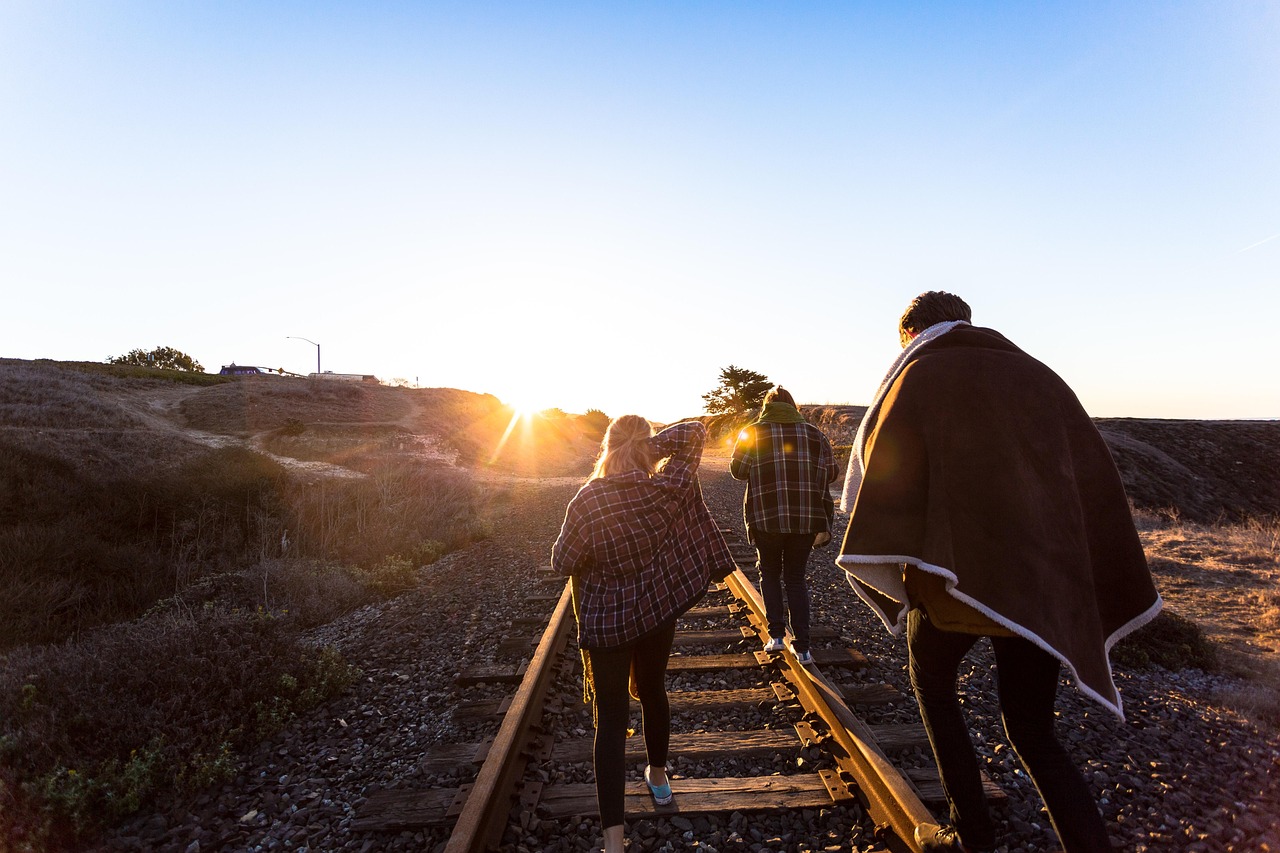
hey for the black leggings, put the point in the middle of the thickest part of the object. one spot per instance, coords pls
(1027, 681)
(611, 669)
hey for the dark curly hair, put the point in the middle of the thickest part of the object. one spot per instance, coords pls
(935, 306)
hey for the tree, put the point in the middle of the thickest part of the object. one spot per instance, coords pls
(594, 423)
(740, 390)
(166, 357)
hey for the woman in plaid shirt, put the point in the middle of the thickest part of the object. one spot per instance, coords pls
(788, 465)
(641, 548)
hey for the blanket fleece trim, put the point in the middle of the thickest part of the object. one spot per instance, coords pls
(853, 474)
(884, 574)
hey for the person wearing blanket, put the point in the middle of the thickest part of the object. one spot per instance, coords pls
(984, 502)
(640, 548)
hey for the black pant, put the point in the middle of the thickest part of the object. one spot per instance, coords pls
(783, 558)
(1027, 680)
(611, 669)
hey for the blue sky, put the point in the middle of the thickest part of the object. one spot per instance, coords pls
(602, 204)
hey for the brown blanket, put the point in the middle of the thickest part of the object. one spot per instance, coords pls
(981, 466)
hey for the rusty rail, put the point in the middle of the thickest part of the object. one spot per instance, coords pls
(484, 816)
(891, 797)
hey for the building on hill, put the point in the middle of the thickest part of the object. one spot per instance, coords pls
(234, 369)
(345, 377)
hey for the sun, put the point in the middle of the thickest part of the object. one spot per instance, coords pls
(523, 405)
(523, 411)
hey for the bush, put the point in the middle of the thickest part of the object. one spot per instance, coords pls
(593, 424)
(292, 427)
(1170, 641)
(166, 358)
(89, 730)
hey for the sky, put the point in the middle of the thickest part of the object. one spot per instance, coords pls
(602, 204)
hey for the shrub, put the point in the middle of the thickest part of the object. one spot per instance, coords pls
(594, 423)
(1170, 641)
(392, 576)
(292, 427)
(162, 357)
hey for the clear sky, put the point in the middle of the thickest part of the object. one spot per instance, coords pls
(601, 204)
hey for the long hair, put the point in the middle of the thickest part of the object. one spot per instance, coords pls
(626, 448)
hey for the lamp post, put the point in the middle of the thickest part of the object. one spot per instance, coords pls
(314, 344)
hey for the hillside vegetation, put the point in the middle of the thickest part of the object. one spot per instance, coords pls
(176, 529)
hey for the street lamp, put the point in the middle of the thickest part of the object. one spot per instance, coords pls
(314, 344)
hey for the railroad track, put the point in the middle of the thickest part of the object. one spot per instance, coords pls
(840, 755)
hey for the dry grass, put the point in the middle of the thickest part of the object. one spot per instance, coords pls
(254, 405)
(76, 551)
(32, 396)
(1225, 579)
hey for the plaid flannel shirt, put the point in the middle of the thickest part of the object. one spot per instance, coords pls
(640, 548)
(788, 468)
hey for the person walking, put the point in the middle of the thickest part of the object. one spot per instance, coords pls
(984, 502)
(640, 548)
(788, 465)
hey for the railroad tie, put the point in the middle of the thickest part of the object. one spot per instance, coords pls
(497, 674)
(705, 796)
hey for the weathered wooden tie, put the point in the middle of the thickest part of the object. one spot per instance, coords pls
(498, 674)
(734, 635)
(704, 796)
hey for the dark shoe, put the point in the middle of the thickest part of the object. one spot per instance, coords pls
(941, 839)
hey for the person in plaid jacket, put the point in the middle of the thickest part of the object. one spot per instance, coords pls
(788, 465)
(640, 548)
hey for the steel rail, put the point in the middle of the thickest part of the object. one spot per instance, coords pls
(484, 816)
(891, 798)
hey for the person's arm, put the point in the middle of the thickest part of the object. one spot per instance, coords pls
(682, 443)
(743, 451)
(572, 552)
(827, 460)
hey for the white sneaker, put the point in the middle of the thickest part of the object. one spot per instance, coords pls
(803, 658)
(775, 644)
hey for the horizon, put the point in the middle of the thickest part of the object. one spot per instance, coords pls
(579, 413)
(583, 206)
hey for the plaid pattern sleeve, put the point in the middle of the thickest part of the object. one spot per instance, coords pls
(639, 547)
(571, 554)
(788, 468)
